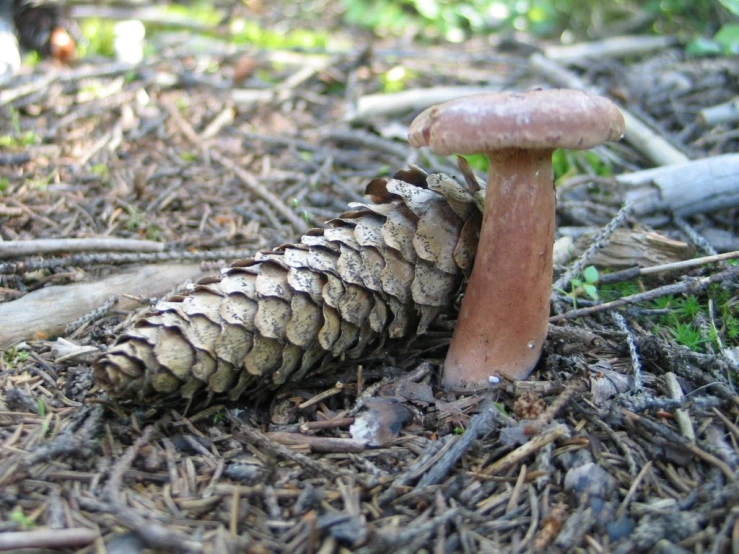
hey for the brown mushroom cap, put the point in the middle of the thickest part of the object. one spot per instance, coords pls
(537, 119)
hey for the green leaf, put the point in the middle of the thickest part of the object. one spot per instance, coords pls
(731, 5)
(703, 47)
(428, 8)
(480, 162)
(591, 291)
(728, 38)
(590, 274)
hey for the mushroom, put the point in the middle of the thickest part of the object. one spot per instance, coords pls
(504, 315)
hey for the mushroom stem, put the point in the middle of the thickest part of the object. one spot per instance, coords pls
(503, 320)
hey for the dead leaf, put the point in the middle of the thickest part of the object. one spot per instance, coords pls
(381, 423)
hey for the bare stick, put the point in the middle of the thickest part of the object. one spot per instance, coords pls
(259, 439)
(613, 47)
(635, 272)
(29, 317)
(48, 538)
(53, 246)
(537, 442)
(681, 416)
(633, 353)
(638, 134)
(317, 444)
(87, 260)
(689, 285)
(722, 113)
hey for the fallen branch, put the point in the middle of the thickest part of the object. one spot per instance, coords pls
(699, 186)
(29, 317)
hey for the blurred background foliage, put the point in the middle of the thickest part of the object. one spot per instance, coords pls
(713, 23)
(706, 27)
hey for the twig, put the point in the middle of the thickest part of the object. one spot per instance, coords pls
(48, 538)
(612, 47)
(106, 70)
(512, 458)
(632, 489)
(257, 438)
(87, 260)
(187, 130)
(695, 237)
(153, 533)
(94, 315)
(435, 451)
(479, 425)
(548, 415)
(13, 248)
(531, 532)
(598, 242)
(123, 463)
(369, 140)
(398, 538)
(317, 444)
(673, 188)
(691, 284)
(73, 440)
(618, 440)
(722, 113)
(260, 191)
(633, 354)
(681, 416)
(680, 441)
(635, 272)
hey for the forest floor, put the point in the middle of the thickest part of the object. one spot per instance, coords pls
(625, 438)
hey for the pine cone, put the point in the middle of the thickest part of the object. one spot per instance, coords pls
(381, 271)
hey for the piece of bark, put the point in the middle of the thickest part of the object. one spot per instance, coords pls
(46, 312)
(627, 248)
(699, 186)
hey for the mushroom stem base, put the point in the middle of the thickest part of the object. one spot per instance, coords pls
(503, 320)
